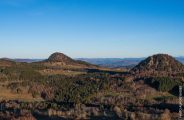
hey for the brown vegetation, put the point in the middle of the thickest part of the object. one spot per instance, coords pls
(63, 88)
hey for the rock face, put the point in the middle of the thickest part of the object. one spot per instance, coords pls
(159, 63)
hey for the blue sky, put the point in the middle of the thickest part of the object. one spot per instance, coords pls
(91, 28)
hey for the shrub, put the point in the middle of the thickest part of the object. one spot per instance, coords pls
(164, 84)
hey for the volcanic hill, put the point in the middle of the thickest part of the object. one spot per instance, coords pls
(62, 59)
(159, 63)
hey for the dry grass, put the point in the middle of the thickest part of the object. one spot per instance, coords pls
(62, 72)
(159, 94)
(7, 94)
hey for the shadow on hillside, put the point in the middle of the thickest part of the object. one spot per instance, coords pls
(163, 106)
(103, 118)
(104, 71)
(46, 117)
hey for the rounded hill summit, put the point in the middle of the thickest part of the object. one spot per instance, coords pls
(159, 62)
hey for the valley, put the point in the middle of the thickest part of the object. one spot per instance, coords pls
(63, 88)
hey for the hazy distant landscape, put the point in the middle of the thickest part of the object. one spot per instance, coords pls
(105, 62)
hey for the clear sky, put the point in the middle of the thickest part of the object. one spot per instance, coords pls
(91, 28)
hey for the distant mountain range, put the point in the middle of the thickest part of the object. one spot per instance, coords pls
(105, 62)
(113, 62)
(181, 59)
(28, 60)
(118, 62)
